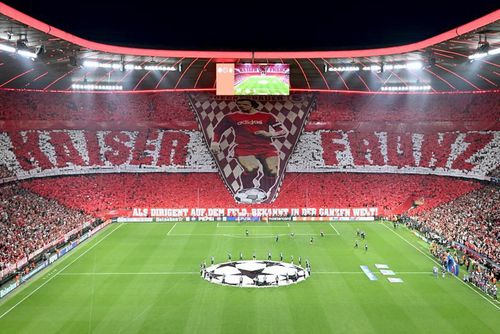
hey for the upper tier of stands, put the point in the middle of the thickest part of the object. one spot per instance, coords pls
(408, 107)
(174, 107)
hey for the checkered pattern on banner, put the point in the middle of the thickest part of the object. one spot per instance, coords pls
(292, 111)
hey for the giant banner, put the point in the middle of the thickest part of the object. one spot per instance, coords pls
(38, 153)
(252, 140)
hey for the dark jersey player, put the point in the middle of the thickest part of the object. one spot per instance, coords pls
(253, 142)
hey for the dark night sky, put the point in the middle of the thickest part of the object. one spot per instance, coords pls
(255, 26)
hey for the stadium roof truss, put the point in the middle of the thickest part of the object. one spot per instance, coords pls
(445, 63)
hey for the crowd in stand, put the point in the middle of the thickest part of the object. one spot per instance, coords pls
(5, 172)
(28, 222)
(407, 108)
(485, 278)
(496, 174)
(94, 107)
(174, 106)
(470, 216)
(99, 193)
(472, 220)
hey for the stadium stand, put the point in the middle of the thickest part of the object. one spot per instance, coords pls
(476, 273)
(96, 194)
(34, 107)
(407, 108)
(14, 105)
(29, 222)
(41, 126)
(471, 220)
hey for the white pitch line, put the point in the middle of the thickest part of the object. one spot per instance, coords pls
(337, 222)
(171, 229)
(334, 229)
(433, 260)
(129, 273)
(47, 281)
(195, 272)
(252, 226)
(229, 226)
(336, 272)
(360, 272)
(244, 236)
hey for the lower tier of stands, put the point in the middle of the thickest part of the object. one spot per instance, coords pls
(29, 222)
(98, 194)
(38, 211)
(472, 221)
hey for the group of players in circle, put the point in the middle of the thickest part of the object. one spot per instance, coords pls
(359, 234)
(203, 265)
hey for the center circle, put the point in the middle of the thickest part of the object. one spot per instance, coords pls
(255, 273)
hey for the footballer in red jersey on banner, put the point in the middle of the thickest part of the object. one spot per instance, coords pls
(252, 139)
(253, 147)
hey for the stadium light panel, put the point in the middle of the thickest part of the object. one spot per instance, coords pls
(95, 87)
(159, 68)
(24, 53)
(27, 54)
(479, 55)
(404, 88)
(375, 68)
(128, 67)
(7, 48)
(343, 69)
(494, 52)
(412, 65)
(90, 63)
(7, 35)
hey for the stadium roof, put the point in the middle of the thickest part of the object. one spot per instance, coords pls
(445, 61)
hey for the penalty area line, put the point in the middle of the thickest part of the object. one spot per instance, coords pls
(334, 229)
(169, 231)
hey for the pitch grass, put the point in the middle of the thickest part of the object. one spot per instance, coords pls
(144, 278)
(262, 85)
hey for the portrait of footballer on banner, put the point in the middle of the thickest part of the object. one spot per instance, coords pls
(253, 148)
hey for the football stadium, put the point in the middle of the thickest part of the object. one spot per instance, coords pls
(150, 190)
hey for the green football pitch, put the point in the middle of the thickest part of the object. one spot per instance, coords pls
(144, 278)
(262, 85)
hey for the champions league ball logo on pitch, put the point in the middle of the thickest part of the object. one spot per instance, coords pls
(249, 196)
(255, 274)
